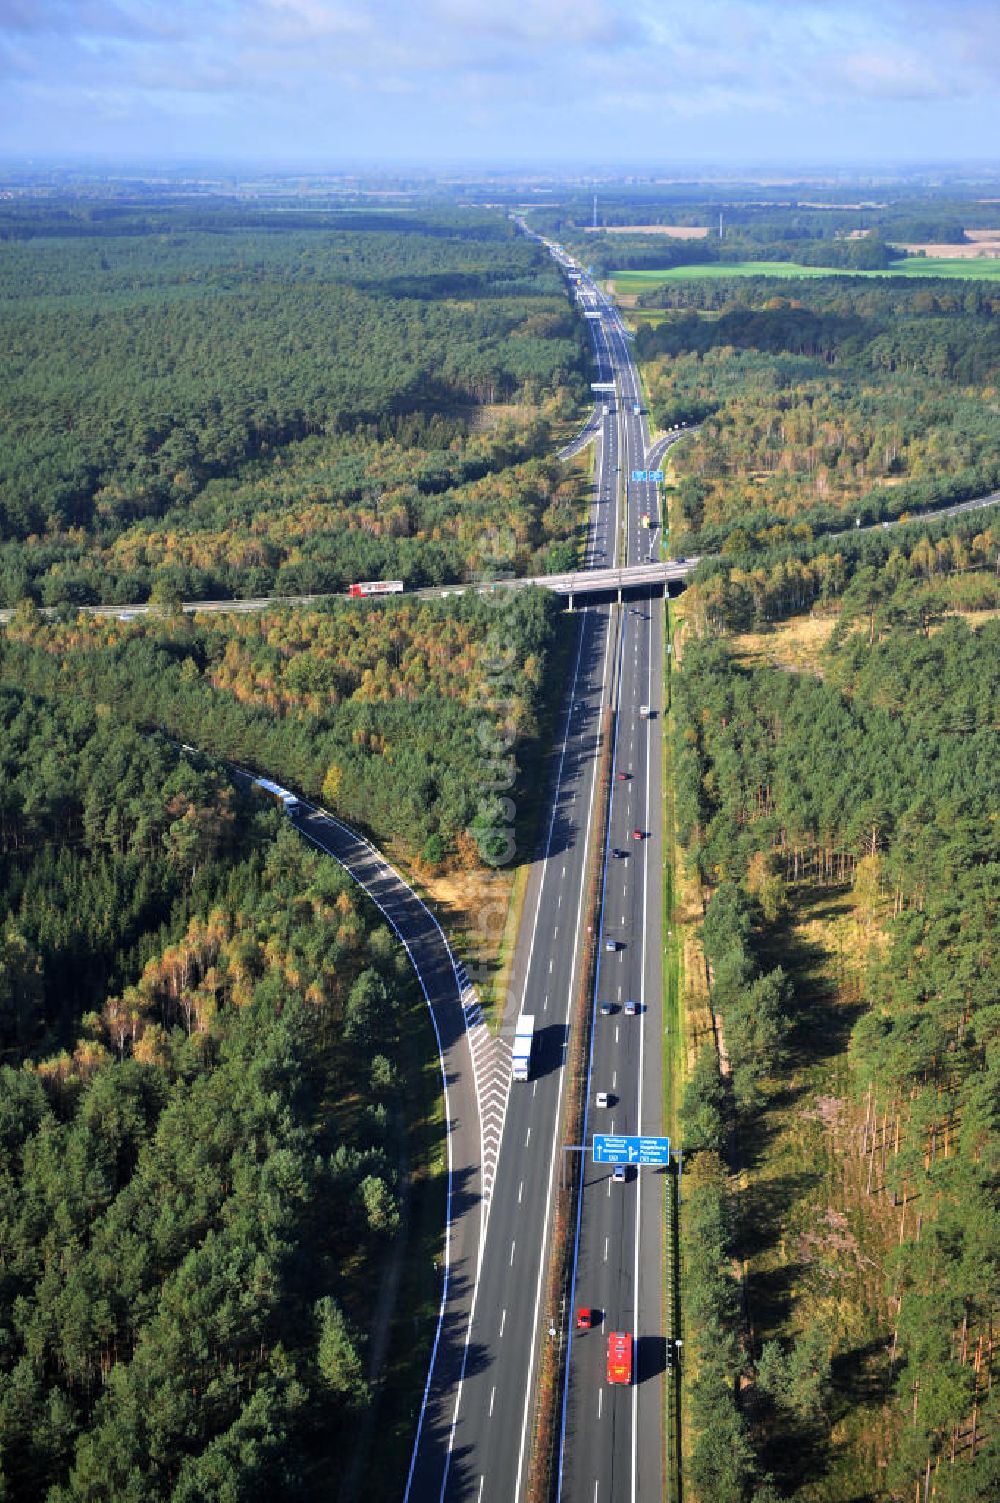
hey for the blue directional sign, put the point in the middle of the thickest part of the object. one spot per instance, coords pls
(654, 1150)
(657, 476)
(615, 1150)
(622, 1149)
(640, 474)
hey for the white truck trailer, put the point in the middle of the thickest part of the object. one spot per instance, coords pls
(523, 1036)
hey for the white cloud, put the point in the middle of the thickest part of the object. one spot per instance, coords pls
(895, 75)
(535, 74)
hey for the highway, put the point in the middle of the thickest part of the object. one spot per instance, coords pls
(612, 1436)
(486, 1455)
(474, 1430)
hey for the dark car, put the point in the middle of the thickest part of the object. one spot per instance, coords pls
(606, 1009)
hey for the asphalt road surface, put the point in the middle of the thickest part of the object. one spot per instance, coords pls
(612, 1439)
(488, 1449)
(612, 1435)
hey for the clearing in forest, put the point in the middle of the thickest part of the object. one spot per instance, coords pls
(984, 267)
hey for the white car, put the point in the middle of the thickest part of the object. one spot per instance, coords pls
(601, 1099)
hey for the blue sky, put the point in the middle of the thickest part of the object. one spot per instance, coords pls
(326, 82)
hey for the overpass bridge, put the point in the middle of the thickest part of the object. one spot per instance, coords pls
(581, 584)
(591, 584)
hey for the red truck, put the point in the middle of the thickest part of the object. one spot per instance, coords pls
(376, 587)
(619, 1357)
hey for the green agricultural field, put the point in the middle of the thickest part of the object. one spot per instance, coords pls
(627, 282)
(982, 268)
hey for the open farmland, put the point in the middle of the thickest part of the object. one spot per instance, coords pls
(630, 282)
(979, 250)
(977, 243)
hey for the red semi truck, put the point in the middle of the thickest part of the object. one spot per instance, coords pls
(376, 587)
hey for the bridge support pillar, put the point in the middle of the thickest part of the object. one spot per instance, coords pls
(571, 602)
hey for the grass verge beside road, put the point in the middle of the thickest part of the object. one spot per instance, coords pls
(673, 1081)
(811, 1231)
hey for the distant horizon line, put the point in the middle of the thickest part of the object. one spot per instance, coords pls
(620, 172)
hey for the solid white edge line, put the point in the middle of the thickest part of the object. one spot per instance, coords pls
(562, 1079)
(586, 1108)
(461, 990)
(569, 994)
(590, 1065)
(355, 835)
(475, 1297)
